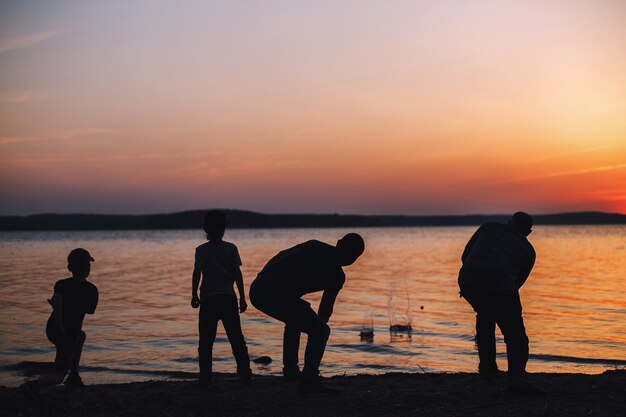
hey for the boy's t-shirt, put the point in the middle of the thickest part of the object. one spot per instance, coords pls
(219, 262)
(78, 298)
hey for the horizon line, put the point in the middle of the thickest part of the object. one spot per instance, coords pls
(309, 213)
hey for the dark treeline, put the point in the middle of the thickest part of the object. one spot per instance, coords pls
(240, 219)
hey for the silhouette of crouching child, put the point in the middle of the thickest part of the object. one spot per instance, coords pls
(217, 264)
(72, 299)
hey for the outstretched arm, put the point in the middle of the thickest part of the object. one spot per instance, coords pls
(195, 282)
(242, 294)
(326, 305)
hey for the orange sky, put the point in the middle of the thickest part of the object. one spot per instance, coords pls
(420, 107)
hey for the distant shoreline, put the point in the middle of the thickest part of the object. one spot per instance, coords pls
(240, 219)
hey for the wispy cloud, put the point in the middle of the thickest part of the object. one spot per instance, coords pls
(589, 170)
(56, 135)
(89, 159)
(577, 152)
(17, 42)
(18, 97)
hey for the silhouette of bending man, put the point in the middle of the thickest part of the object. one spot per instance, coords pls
(497, 260)
(305, 268)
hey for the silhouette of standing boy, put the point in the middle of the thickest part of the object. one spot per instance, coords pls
(218, 262)
(497, 260)
(72, 299)
(305, 268)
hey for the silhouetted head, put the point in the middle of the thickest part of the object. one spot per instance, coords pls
(214, 224)
(79, 263)
(350, 247)
(522, 222)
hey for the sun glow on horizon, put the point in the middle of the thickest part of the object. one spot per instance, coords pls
(411, 108)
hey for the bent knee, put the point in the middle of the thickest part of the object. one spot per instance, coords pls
(324, 330)
(517, 338)
(320, 329)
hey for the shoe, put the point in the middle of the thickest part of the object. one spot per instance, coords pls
(315, 386)
(30, 389)
(293, 375)
(245, 379)
(519, 385)
(209, 386)
(491, 375)
(205, 382)
(74, 381)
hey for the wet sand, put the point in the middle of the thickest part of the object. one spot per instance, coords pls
(362, 395)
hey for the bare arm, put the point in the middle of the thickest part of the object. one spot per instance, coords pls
(326, 305)
(195, 282)
(242, 294)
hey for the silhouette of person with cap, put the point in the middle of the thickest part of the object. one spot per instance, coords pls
(497, 260)
(305, 268)
(217, 265)
(72, 299)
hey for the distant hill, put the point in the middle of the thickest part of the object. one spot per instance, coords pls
(240, 219)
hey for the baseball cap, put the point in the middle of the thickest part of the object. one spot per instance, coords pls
(79, 256)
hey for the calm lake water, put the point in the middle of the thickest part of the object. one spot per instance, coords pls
(574, 302)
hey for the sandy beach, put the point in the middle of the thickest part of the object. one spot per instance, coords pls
(395, 394)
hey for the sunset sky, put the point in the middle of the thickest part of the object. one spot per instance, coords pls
(371, 107)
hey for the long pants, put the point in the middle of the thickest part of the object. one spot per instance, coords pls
(298, 317)
(212, 310)
(506, 312)
(68, 351)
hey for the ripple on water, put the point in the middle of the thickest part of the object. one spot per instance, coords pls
(144, 318)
